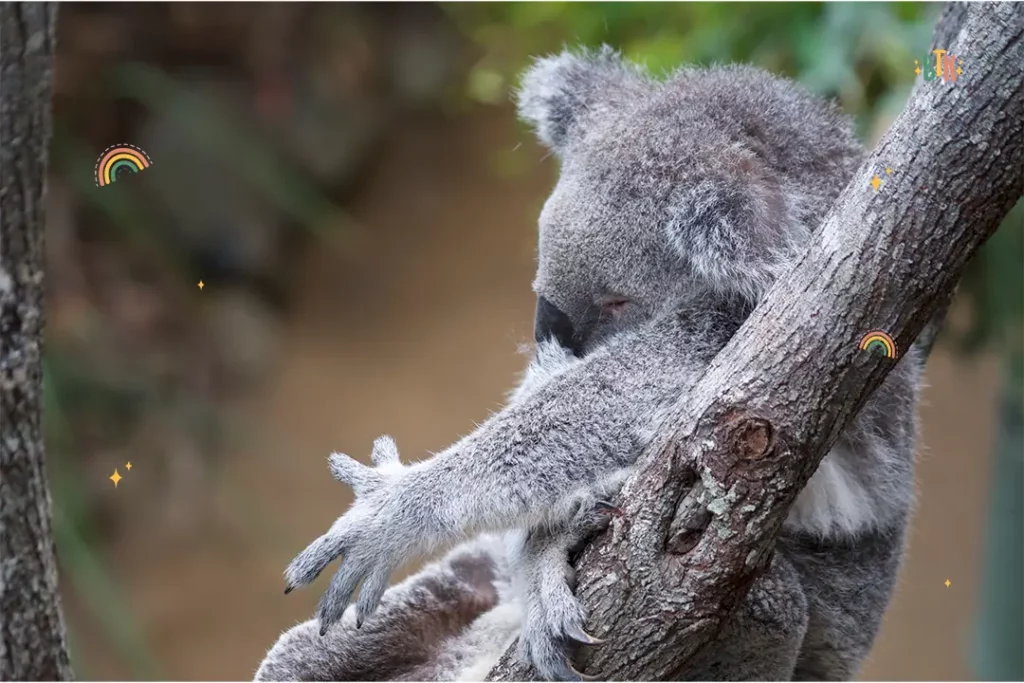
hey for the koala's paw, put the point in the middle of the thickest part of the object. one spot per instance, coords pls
(372, 536)
(554, 623)
(591, 515)
(555, 619)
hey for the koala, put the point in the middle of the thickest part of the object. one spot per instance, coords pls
(679, 203)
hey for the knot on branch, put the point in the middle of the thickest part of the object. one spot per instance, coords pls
(751, 438)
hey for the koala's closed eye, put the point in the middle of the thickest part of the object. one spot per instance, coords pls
(613, 306)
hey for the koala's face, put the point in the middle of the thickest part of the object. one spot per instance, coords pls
(706, 183)
(603, 266)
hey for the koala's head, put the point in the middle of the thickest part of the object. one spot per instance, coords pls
(708, 182)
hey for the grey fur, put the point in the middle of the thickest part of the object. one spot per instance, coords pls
(688, 197)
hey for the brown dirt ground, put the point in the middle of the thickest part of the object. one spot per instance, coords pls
(417, 338)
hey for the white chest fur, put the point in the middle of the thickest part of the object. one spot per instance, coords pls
(834, 502)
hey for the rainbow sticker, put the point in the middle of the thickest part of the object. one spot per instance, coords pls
(878, 340)
(118, 160)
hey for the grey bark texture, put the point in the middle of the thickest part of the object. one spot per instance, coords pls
(32, 634)
(950, 23)
(777, 397)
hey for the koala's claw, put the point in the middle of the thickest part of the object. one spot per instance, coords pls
(570, 673)
(580, 675)
(547, 634)
(550, 661)
(554, 617)
(582, 637)
(605, 506)
(554, 622)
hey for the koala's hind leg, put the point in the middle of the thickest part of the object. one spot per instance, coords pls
(762, 640)
(848, 585)
(425, 629)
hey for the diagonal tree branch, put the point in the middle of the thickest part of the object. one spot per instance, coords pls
(777, 397)
(950, 23)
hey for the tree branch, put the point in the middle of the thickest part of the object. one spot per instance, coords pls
(32, 641)
(950, 23)
(948, 28)
(779, 394)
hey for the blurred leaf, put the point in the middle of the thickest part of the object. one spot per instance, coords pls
(75, 539)
(128, 217)
(234, 146)
(993, 283)
(486, 85)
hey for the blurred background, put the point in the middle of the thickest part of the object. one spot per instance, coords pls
(350, 185)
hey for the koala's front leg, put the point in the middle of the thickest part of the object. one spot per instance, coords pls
(584, 425)
(554, 618)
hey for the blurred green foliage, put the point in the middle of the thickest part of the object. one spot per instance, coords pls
(994, 282)
(857, 52)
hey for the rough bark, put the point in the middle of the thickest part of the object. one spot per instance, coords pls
(32, 635)
(947, 29)
(777, 397)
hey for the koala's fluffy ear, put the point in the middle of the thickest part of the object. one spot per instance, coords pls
(734, 227)
(560, 94)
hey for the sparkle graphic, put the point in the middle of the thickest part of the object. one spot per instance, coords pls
(948, 583)
(128, 467)
(115, 477)
(201, 285)
(877, 182)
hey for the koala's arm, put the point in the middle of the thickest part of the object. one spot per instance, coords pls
(519, 468)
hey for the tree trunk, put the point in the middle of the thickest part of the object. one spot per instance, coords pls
(32, 636)
(779, 394)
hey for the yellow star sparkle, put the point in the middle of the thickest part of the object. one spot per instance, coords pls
(889, 171)
(201, 285)
(947, 583)
(875, 182)
(115, 477)
(918, 71)
(128, 467)
(959, 70)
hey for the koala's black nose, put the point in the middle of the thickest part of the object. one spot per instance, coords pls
(550, 322)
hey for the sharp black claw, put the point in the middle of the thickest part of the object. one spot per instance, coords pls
(583, 676)
(608, 507)
(359, 621)
(323, 630)
(288, 589)
(567, 672)
(581, 636)
(579, 675)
